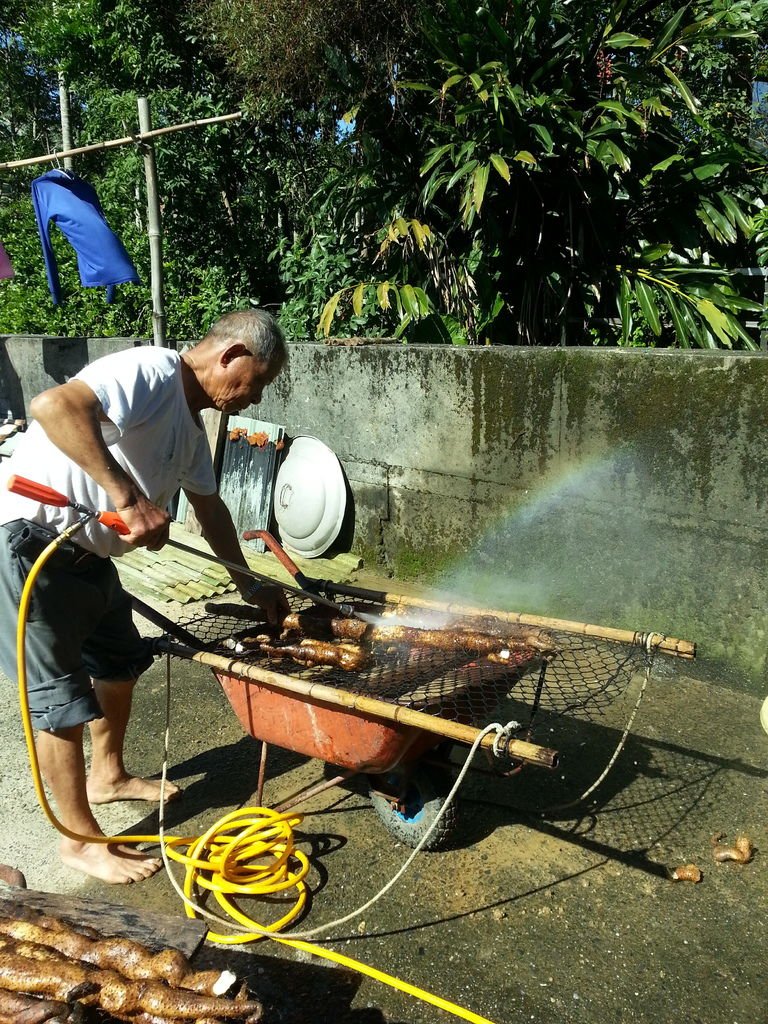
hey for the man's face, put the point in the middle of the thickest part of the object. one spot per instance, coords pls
(241, 382)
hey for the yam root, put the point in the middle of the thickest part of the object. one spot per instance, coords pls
(741, 851)
(121, 996)
(448, 639)
(67, 981)
(350, 657)
(33, 950)
(249, 612)
(57, 925)
(67, 941)
(464, 640)
(118, 976)
(152, 1018)
(324, 626)
(130, 958)
(60, 980)
(687, 873)
(511, 657)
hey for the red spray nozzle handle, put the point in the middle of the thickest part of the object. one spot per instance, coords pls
(48, 496)
(275, 547)
(113, 521)
(37, 492)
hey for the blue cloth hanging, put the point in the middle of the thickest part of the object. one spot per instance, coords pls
(72, 204)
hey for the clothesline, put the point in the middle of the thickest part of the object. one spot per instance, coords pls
(138, 137)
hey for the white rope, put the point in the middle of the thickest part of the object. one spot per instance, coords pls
(650, 646)
(504, 735)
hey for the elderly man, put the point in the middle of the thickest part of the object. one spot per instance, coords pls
(123, 434)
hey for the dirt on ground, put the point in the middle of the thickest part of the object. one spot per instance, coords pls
(541, 909)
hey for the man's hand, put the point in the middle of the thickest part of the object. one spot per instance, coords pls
(273, 601)
(149, 525)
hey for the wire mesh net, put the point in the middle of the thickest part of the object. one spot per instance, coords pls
(461, 668)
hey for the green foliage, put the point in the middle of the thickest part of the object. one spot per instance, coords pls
(308, 272)
(301, 56)
(219, 216)
(568, 174)
(760, 237)
(409, 303)
(453, 171)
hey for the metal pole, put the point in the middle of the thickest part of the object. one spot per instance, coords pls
(154, 227)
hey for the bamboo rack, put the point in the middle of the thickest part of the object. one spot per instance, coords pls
(359, 704)
(666, 644)
(137, 137)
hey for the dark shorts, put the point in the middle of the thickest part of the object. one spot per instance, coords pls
(79, 626)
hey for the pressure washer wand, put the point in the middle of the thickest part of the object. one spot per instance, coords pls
(345, 609)
(48, 496)
(310, 586)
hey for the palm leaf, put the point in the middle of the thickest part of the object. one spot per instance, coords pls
(479, 183)
(688, 98)
(650, 310)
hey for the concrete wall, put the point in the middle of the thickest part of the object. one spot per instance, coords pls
(627, 487)
(30, 363)
(623, 487)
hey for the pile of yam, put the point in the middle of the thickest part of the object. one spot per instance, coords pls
(51, 973)
(312, 638)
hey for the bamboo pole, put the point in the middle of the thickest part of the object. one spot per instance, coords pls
(126, 140)
(66, 128)
(359, 704)
(666, 644)
(154, 225)
(66, 125)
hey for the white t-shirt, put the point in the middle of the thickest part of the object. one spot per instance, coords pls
(152, 434)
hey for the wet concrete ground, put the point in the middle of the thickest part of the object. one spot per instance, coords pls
(563, 918)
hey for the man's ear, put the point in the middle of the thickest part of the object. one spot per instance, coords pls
(233, 351)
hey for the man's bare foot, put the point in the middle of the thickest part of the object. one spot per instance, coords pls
(130, 788)
(108, 861)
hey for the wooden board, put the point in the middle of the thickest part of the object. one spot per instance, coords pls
(157, 931)
(215, 425)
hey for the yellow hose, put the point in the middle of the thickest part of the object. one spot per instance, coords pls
(249, 852)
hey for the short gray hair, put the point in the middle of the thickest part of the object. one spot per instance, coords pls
(257, 330)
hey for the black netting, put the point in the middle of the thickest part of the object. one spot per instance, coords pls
(544, 672)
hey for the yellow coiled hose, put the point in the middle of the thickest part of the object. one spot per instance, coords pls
(249, 852)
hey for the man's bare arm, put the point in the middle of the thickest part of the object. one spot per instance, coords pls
(71, 416)
(219, 530)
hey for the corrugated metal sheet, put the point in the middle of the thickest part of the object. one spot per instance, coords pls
(172, 575)
(247, 475)
(249, 467)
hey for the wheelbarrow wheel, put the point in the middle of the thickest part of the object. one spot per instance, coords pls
(415, 803)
